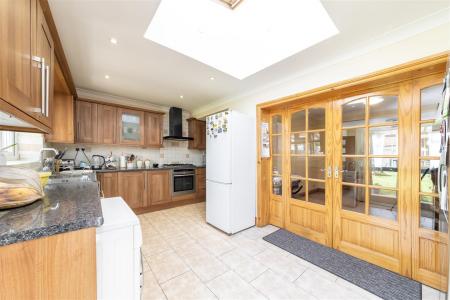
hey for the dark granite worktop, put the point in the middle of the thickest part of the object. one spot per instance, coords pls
(65, 207)
(136, 169)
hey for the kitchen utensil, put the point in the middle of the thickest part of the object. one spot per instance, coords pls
(155, 165)
(98, 161)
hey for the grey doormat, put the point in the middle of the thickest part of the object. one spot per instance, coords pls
(380, 282)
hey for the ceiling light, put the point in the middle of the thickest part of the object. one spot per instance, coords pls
(106, 76)
(181, 96)
(113, 41)
(212, 78)
(244, 40)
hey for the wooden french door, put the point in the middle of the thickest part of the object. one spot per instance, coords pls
(308, 203)
(430, 227)
(359, 174)
(370, 209)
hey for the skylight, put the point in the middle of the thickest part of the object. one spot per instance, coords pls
(244, 40)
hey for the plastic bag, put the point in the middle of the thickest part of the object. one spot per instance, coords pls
(19, 187)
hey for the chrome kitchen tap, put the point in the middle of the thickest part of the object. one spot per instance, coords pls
(47, 164)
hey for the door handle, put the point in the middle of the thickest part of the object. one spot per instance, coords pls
(328, 170)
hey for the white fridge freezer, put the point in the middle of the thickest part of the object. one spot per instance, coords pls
(230, 171)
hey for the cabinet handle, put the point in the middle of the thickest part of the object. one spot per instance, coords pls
(43, 94)
(47, 90)
(41, 62)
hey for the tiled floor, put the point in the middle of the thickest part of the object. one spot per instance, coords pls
(185, 258)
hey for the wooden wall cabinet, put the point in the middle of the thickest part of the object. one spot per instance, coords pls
(106, 124)
(153, 130)
(86, 116)
(17, 37)
(158, 187)
(63, 111)
(108, 184)
(26, 61)
(197, 131)
(131, 127)
(43, 78)
(132, 188)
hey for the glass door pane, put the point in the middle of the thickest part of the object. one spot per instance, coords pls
(431, 215)
(307, 155)
(276, 138)
(369, 138)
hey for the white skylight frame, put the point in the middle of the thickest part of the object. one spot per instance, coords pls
(241, 41)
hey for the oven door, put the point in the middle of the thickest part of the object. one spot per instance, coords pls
(183, 183)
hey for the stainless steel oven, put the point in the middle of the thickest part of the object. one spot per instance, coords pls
(183, 181)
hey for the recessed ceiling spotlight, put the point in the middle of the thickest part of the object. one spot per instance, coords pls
(181, 96)
(113, 41)
(212, 78)
(106, 76)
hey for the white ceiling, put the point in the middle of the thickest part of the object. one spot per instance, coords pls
(143, 70)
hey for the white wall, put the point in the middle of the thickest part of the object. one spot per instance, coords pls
(426, 43)
(171, 152)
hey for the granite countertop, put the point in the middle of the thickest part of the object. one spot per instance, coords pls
(65, 207)
(142, 169)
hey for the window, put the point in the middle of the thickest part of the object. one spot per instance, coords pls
(21, 147)
(7, 140)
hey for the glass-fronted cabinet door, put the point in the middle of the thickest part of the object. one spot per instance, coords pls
(131, 127)
(430, 225)
(277, 169)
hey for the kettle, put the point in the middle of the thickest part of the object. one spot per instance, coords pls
(98, 161)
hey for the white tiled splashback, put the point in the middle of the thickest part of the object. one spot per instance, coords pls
(172, 151)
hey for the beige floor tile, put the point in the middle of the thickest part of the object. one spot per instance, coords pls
(151, 248)
(274, 286)
(249, 246)
(151, 289)
(231, 286)
(428, 293)
(281, 264)
(245, 266)
(186, 286)
(234, 257)
(206, 267)
(216, 246)
(323, 288)
(250, 269)
(166, 265)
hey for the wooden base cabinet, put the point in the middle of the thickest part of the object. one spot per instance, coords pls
(158, 187)
(108, 184)
(200, 174)
(62, 266)
(132, 188)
